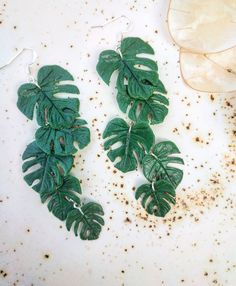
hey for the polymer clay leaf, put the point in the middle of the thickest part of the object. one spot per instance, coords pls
(207, 27)
(50, 110)
(87, 220)
(46, 171)
(157, 197)
(157, 164)
(151, 110)
(109, 61)
(61, 142)
(62, 200)
(209, 72)
(140, 73)
(133, 142)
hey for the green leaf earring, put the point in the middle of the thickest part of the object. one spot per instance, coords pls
(142, 95)
(49, 159)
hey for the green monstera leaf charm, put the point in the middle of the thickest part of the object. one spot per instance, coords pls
(50, 109)
(134, 141)
(153, 110)
(87, 219)
(157, 197)
(64, 197)
(61, 142)
(50, 171)
(158, 164)
(140, 73)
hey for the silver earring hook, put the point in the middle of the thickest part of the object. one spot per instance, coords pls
(34, 57)
(128, 28)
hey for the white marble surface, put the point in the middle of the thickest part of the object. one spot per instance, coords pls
(195, 244)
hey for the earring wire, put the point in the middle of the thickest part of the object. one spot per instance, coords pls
(129, 24)
(34, 57)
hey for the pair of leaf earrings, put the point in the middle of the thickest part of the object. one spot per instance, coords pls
(49, 159)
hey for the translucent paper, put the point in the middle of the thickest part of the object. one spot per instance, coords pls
(207, 26)
(206, 32)
(209, 72)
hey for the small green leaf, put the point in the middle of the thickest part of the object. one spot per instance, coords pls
(87, 219)
(132, 46)
(64, 197)
(157, 164)
(49, 170)
(152, 109)
(28, 95)
(109, 61)
(157, 197)
(140, 73)
(49, 76)
(61, 142)
(52, 110)
(71, 183)
(134, 141)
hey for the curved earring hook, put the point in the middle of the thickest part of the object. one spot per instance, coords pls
(34, 57)
(128, 28)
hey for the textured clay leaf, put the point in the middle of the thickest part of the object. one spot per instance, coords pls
(133, 142)
(62, 200)
(157, 165)
(140, 73)
(210, 72)
(207, 27)
(61, 142)
(109, 61)
(49, 170)
(157, 197)
(151, 110)
(87, 220)
(52, 110)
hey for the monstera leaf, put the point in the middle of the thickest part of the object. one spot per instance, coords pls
(157, 197)
(157, 164)
(61, 142)
(64, 197)
(52, 110)
(140, 73)
(87, 219)
(152, 109)
(134, 141)
(47, 169)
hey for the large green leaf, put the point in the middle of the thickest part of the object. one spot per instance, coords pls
(61, 142)
(151, 110)
(140, 73)
(87, 219)
(64, 198)
(134, 141)
(157, 197)
(52, 110)
(157, 165)
(46, 170)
